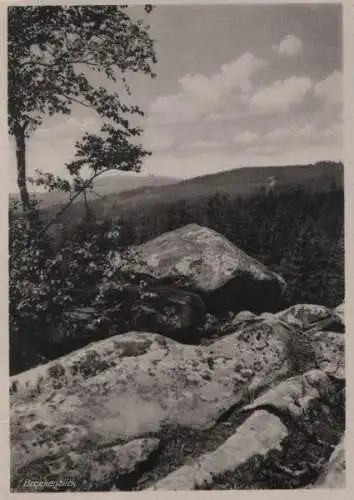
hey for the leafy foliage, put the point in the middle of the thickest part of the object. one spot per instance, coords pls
(45, 283)
(53, 55)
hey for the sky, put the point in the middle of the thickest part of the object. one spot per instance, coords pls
(237, 85)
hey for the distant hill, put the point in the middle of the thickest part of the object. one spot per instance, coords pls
(242, 182)
(112, 184)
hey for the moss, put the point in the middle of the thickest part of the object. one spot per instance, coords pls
(56, 371)
(134, 348)
(90, 365)
(14, 387)
(211, 362)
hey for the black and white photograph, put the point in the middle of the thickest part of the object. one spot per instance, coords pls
(176, 253)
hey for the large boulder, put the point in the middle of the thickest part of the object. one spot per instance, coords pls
(200, 259)
(136, 384)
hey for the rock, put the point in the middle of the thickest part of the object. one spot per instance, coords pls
(211, 323)
(340, 311)
(329, 348)
(243, 317)
(292, 398)
(334, 474)
(94, 470)
(200, 259)
(260, 434)
(165, 310)
(127, 386)
(278, 419)
(311, 316)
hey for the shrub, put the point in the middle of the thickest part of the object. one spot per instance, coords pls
(45, 282)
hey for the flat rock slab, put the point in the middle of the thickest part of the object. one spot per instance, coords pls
(130, 385)
(261, 433)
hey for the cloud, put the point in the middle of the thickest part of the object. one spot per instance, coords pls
(304, 134)
(156, 139)
(290, 46)
(281, 95)
(205, 144)
(201, 95)
(278, 135)
(246, 137)
(330, 89)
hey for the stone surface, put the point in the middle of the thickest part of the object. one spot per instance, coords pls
(329, 348)
(340, 310)
(312, 316)
(334, 474)
(91, 395)
(295, 413)
(201, 259)
(292, 397)
(260, 434)
(92, 470)
(242, 318)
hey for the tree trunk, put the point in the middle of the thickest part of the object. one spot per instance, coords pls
(20, 140)
(21, 168)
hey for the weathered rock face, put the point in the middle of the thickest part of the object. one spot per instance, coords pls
(106, 411)
(202, 260)
(91, 395)
(257, 447)
(329, 348)
(340, 310)
(90, 471)
(312, 316)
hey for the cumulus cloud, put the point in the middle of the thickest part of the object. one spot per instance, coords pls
(156, 139)
(304, 134)
(60, 127)
(278, 135)
(330, 89)
(246, 137)
(200, 95)
(290, 46)
(281, 95)
(206, 144)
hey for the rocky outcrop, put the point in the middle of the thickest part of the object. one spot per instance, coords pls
(200, 259)
(276, 417)
(90, 404)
